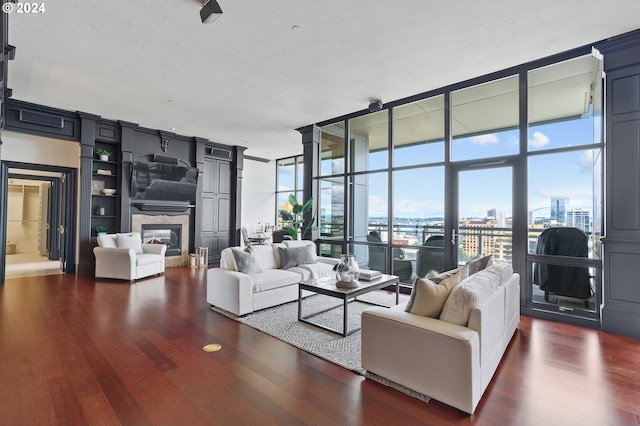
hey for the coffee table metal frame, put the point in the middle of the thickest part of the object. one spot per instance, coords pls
(329, 288)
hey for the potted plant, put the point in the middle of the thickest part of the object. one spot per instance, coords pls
(101, 229)
(104, 154)
(295, 218)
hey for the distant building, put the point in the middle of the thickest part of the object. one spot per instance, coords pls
(580, 219)
(559, 207)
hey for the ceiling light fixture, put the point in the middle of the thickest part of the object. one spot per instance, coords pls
(210, 11)
(375, 105)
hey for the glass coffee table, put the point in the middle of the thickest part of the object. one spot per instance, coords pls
(328, 288)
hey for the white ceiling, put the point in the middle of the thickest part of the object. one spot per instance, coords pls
(265, 68)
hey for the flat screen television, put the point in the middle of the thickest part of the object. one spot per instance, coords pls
(161, 178)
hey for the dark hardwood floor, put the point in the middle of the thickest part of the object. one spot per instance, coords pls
(85, 352)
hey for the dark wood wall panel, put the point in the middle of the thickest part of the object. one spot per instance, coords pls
(208, 219)
(222, 218)
(224, 178)
(626, 151)
(625, 266)
(621, 243)
(629, 98)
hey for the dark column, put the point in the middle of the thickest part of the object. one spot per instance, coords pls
(126, 165)
(621, 243)
(237, 165)
(86, 243)
(311, 158)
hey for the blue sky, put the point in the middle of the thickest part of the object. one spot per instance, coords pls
(419, 193)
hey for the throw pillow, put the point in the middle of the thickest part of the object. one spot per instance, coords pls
(294, 256)
(131, 240)
(479, 263)
(246, 261)
(428, 297)
(438, 277)
(470, 292)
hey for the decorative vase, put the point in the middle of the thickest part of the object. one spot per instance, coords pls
(104, 158)
(354, 269)
(299, 233)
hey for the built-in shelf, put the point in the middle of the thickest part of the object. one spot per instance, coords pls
(110, 203)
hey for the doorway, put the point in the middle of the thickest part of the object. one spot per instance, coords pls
(32, 213)
(38, 203)
(482, 213)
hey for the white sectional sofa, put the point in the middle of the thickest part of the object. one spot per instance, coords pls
(271, 282)
(450, 362)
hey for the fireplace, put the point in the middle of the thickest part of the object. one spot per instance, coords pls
(163, 221)
(167, 234)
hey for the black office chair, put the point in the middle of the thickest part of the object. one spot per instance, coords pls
(561, 280)
(431, 257)
(378, 261)
(279, 235)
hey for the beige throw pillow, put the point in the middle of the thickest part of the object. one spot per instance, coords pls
(428, 297)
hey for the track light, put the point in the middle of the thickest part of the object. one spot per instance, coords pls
(375, 105)
(210, 11)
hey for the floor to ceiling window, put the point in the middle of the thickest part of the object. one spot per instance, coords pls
(289, 178)
(564, 190)
(473, 169)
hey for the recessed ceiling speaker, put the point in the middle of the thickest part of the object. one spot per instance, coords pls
(375, 105)
(210, 11)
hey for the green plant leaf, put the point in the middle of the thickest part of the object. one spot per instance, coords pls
(308, 205)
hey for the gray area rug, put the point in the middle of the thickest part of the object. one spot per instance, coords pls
(282, 323)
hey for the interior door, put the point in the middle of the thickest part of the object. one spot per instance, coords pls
(482, 212)
(53, 240)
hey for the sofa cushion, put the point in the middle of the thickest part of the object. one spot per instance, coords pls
(273, 278)
(479, 263)
(428, 297)
(246, 260)
(130, 240)
(147, 259)
(505, 269)
(294, 256)
(107, 241)
(315, 271)
(227, 261)
(470, 292)
(264, 254)
(438, 277)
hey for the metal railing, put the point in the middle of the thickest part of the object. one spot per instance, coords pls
(472, 240)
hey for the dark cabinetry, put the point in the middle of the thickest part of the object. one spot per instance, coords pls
(105, 207)
(216, 205)
(621, 295)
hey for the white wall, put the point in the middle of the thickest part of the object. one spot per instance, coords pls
(38, 150)
(258, 194)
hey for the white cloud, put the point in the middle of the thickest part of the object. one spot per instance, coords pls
(485, 139)
(539, 140)
(585, 163)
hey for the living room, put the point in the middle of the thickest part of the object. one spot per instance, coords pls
(250, 160)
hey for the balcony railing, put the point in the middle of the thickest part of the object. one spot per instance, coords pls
(472, 240)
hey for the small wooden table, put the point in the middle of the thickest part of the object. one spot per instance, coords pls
(328, 288)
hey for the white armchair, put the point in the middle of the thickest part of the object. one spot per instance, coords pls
(123, 256)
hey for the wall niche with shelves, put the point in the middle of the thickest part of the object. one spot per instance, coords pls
(105, 204)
